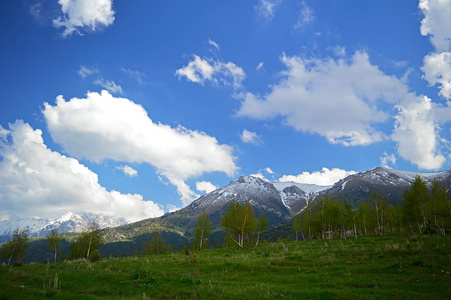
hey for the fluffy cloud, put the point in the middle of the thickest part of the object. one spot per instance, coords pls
(338, 99)
(417, 134)
(129, 171)
(437, 70)
(205, 186)
(104, 127)
(84, 13)
(250, 137)
(324, 177)
(386, 159)
(201, 70)
(110, 86)
(37, 181)
(437, 23)
(267, 8)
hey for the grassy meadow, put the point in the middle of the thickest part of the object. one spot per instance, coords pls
(390, 266)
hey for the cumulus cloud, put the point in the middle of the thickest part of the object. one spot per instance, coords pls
(250, 137)
(437, 71)
(110, 86)
(101, 126)
(340, 99)
(324, 177)
(437, 23)
(267, 8)
(129, 171)
(78, 14)
(200, 70)
(35, 180)
(85, 72)
(306, 16)
(417, 134)
(386, 159)
(205, 186)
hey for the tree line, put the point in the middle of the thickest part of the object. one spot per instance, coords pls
(422, 210)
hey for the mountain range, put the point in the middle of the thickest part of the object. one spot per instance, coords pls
(69, 222)
(280, 201)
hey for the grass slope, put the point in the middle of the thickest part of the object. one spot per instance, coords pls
(391, 266)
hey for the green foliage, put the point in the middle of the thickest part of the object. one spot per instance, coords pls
(87, 242)
(155, 245)
(54, 242)
(240, 221)
(15, 248)
(95, 256)
(203, 229)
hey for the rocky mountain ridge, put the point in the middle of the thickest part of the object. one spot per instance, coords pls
(69, 222)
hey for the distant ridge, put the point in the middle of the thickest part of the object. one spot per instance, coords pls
(69, 222)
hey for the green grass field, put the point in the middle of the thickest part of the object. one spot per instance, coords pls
(391, 266)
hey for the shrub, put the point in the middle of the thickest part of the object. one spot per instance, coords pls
(95, 256)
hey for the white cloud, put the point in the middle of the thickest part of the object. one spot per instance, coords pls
(417, 134)
(386, 159)
(213, 43)
(104, 127)
(338, 99)
(129, 171)
(35, 180)
(260, 66)
(437, 70)
(268, 169)
(250, 137)
(267, 8)
(85, 72)
(109, 85)
(201, 70)
(437, 23)
(324, 177)
(172, 208)
(306, 16)
(84, 13)
(338, 50)
(205, 186)
(260, 175)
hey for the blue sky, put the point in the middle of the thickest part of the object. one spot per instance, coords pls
(136, 108)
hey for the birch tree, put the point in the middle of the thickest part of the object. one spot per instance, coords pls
(16, 247)
(202, 230)
(240, 221)
(54, 242)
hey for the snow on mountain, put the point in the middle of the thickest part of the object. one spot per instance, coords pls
(33, 225)
(296, 195)
(70, 222)
(389, 183)
(283, 199)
